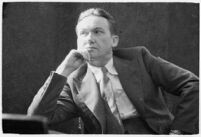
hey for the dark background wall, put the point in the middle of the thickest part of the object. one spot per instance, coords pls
(37, 37)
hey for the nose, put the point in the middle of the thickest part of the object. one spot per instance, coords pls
(90, 38)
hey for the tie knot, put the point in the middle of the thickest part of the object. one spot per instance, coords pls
(104, 70)
(104, 75)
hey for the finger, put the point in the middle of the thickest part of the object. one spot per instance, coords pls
(85, 54)
(78, 55)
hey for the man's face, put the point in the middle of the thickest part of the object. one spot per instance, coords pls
(93, 34)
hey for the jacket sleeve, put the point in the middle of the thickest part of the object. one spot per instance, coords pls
(53, 100)
(180, 82)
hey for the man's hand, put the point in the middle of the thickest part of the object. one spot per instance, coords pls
(71, 62)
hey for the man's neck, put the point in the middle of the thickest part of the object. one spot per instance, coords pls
(101, 62)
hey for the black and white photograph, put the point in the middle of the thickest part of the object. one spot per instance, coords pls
(100, 67)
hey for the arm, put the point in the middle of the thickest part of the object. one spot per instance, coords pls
(180, 82)
(53, 100)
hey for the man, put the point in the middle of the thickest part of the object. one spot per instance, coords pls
(116, 91)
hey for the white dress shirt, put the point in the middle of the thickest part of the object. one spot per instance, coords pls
(124, 105)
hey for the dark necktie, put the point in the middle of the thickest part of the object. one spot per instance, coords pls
(109, 96)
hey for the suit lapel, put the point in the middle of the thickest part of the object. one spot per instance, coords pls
(130, 78)
(90, 94)
(86, 91)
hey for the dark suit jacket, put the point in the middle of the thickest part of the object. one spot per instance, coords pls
(141, 75)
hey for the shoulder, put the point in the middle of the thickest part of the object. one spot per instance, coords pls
(130, 52)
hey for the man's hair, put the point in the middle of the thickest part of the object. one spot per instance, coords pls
(101, 13)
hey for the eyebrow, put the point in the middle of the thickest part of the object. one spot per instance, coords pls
(96, 28)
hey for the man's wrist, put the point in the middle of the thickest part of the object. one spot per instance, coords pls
(64, 72)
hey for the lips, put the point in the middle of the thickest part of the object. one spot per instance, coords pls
(91, 48)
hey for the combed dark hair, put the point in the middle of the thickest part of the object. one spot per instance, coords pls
(101, 13)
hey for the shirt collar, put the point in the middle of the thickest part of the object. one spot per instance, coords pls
(110, 67)
(97, 70)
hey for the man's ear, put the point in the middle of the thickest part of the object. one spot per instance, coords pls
(115, 41)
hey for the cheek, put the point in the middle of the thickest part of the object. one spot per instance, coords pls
(79, 43)
(106, 43)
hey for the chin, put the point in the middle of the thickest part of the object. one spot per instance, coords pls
(96, 63)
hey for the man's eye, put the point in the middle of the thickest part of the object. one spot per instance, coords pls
(97, 31)
(83, 33)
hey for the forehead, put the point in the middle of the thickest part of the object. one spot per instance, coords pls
(92, 22)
